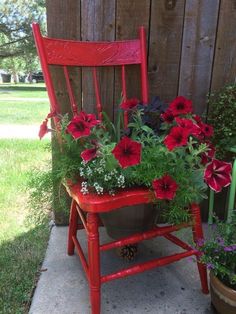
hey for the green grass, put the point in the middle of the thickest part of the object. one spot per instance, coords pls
(23, 110)
(22, 245)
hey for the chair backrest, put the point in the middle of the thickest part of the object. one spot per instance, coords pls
(65, 53)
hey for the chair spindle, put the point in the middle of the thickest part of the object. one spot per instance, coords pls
(97, 94)
(74, 107)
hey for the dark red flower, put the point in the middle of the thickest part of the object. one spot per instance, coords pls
(206, 129)
(178, 136)
(167, 116)
(165, 188)
(43, 129)
(188, 124)
(127, 152)
(197, 118)
(218, 174)
(180, 105)
(89, 118)
(89, 154)
(129, 104)
(209, 154)
(78, 127)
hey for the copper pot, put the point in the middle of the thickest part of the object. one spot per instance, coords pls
(223, 298)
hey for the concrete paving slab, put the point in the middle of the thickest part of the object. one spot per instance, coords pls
(172, 289)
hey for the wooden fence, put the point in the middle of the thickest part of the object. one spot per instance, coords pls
(191, 44)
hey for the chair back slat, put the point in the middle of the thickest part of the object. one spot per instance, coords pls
(97, 93)
(78, 53)
(74, 107)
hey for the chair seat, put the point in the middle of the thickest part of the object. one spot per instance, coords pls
(104, 203)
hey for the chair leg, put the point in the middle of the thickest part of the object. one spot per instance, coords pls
(72, 228)
(198, 236)
(94, 262)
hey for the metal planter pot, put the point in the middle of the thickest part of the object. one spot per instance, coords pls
(129, 220)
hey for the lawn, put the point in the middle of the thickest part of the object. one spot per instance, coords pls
(22, 242)
(23, 103)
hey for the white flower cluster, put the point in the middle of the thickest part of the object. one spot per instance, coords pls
(98, 188)
(121, 181)
(84, 189)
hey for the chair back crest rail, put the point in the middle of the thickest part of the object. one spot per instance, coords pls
(67, 53)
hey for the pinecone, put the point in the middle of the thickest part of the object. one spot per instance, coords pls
(128, 252)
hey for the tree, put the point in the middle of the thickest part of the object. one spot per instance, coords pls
(16, 17)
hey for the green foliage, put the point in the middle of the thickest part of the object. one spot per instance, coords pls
(40, 187)
(219, 251)
(221, 115)
(16, 17)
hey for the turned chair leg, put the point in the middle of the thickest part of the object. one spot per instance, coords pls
(73, 222)
(198, 236)
(94, 262)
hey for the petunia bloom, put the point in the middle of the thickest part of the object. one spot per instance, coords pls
(165, 188)
(218, 174)
(180, 105)
(188, 124)
(209, 154)
(177, 137)
(43, 129)
(90, 153)
(89, 118)
(127, 152)
(78, 127)
(206, 129)
(167, 116)
(129, 104)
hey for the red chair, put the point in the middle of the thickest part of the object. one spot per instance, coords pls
(66, 53)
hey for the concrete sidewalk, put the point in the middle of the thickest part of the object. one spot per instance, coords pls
(19, 131)
(172, 289)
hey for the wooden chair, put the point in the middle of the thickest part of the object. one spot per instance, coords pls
(67, 53)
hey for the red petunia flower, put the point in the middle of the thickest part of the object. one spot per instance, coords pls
(188, 124)
(206, 129)
(165, 188)
(78, 127)
(197, 118)
(129, 104)
(177, 137)
(89, 154)
(43, 129)
(218, 174)
(209, 154)
(89, 118)
(180, 105)
(167, 116)
(127, 152)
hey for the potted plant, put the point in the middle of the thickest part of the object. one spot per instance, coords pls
(219, 254)
(164, 148)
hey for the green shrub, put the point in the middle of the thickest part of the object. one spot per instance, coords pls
(222, 116)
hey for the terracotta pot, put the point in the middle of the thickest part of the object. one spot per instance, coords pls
(223, 298)
(129, 220)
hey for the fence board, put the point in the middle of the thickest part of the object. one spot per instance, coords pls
(165, 48)
(138, 13)
(63, 21)
(197, 50)
(224, 70)
(98, 23)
